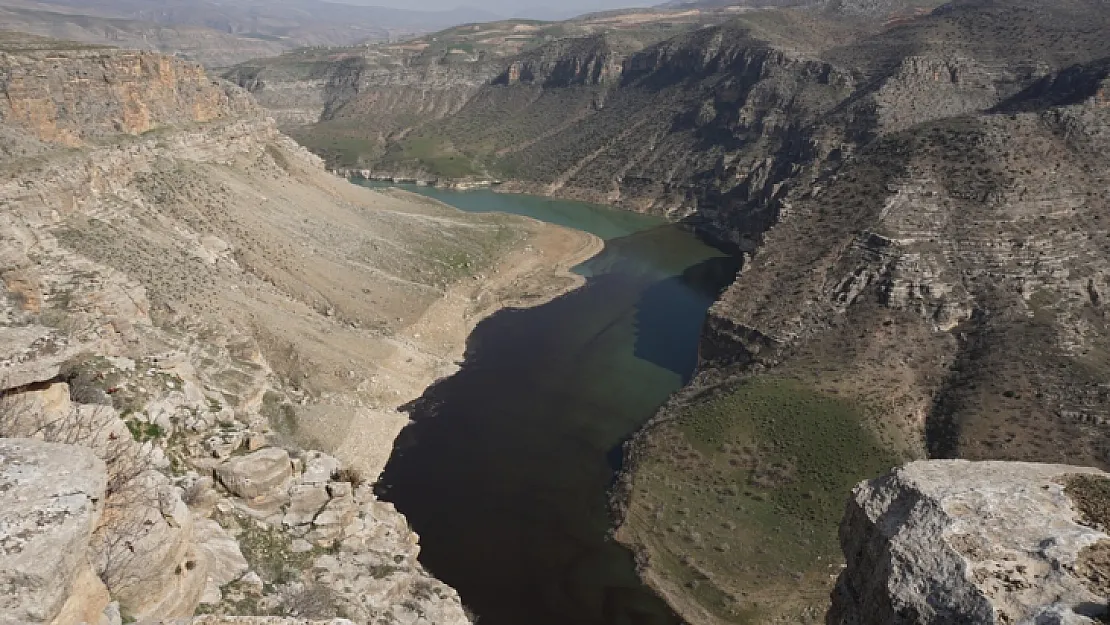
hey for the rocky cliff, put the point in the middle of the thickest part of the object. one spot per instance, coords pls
(742, 111)
(92, 94)
(347, 104)
(192, 303)
(977, 543)
(53, 500)
(352, 104)
(577, 61)
(925, 276)
(918, 194)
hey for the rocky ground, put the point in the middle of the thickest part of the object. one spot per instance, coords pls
(976, 542)
(192, 304)
(352, 105)
(919, 195)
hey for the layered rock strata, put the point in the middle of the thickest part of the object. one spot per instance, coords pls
(977, 543)
(192, 303)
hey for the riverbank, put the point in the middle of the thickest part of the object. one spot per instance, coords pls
(674, 210)
(629, 533)
(732, 495)
(505, 470)
(535, 270)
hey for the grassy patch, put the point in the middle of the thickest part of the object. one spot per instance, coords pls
(269, 553)
(437, 156)
(739, 498)
(1091, 494)
(143, 431)
(341, 144)
(280, 414)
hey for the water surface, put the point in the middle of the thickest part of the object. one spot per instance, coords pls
(504, 471)
(607, 223)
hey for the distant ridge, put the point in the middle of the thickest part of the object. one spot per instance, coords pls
(225, 33)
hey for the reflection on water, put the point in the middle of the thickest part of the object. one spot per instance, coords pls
(606, 223)
(505, 470)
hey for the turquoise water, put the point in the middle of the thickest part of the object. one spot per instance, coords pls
(605, 222)
(505, 470)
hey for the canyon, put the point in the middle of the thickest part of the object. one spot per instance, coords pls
(230, 330)
(917, 190)
(199, 305)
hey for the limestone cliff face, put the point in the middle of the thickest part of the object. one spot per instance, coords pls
(74, 97)
(718, 124)
(699, 124)
(972, 232)
(722, 122)
(53, 498)
(423, 88)
(931, 250)
(185, 289)
(368, 95)
(976, 543)
(584, 61)
(924, 88)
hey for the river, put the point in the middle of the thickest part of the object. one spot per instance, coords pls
(505, 470)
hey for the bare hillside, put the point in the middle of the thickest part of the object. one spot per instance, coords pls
(193, 303)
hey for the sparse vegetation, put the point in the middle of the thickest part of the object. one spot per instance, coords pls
(738, 497)
(310, 600)
(1091, 494)
(270, 554)
(350, 475)
(143, 431)
(280, 414)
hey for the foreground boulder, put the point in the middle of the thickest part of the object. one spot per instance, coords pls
(255, 474)
(51, 498)
(976, 543)
(249, 620)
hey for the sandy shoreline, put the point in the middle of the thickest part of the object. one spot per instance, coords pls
(428, 349)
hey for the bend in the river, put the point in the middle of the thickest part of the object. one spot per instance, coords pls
(504, 471)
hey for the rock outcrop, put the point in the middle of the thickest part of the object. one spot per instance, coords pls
(249, 620)
(256, 473)
(100, 92)
(571, 62)
(51, 500)
(927, 253)
(979, 543)
(191, 301)
(361, 96)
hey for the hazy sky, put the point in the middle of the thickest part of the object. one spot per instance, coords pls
(511, 7)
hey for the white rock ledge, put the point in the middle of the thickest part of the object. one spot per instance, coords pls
(970, 543)
(50, 501)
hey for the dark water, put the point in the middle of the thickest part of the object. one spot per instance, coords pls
(505, 470)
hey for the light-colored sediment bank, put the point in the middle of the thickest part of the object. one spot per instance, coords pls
(533, 272)
(193, 298)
